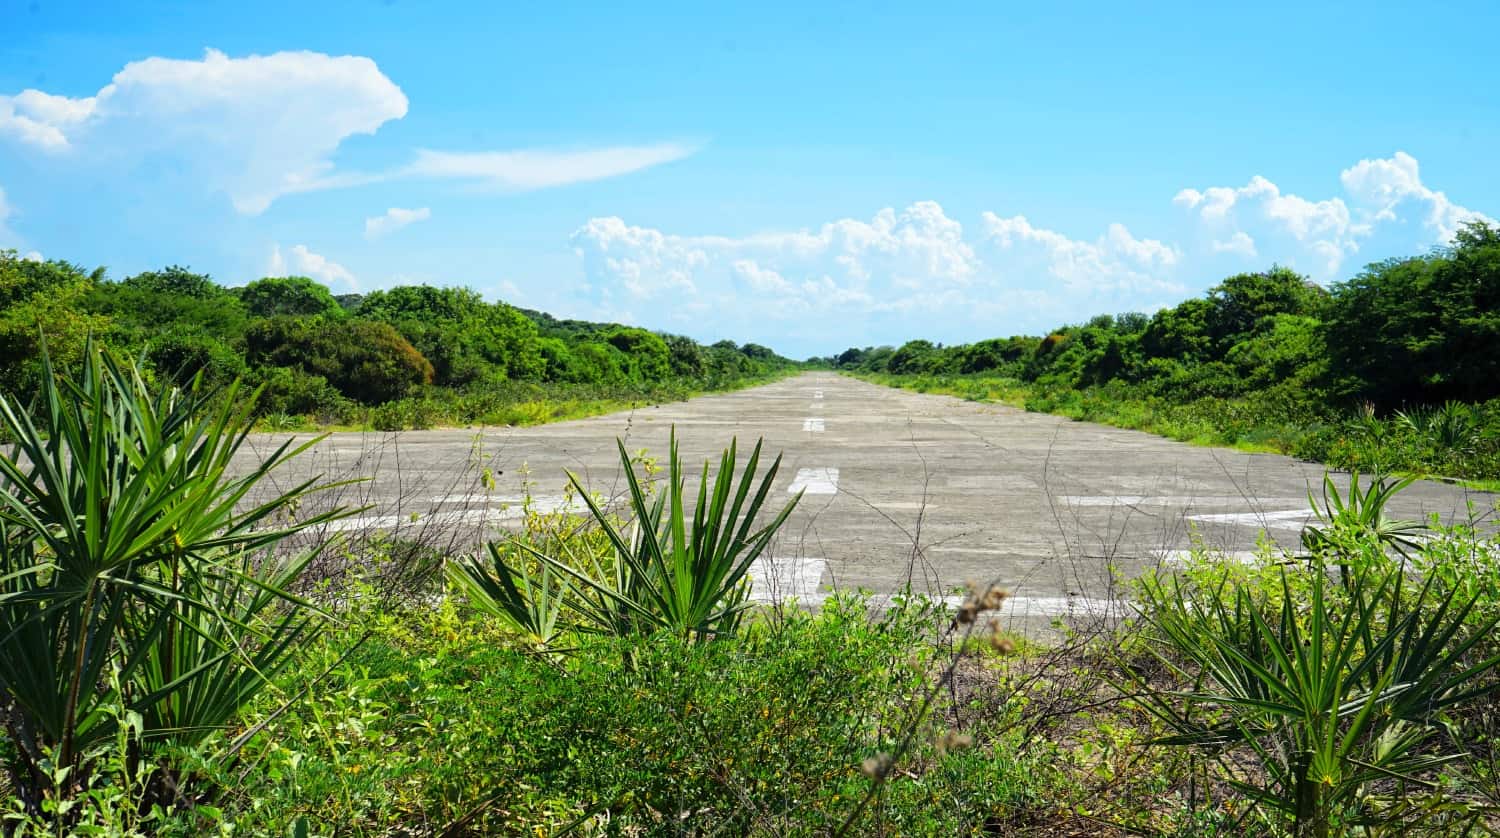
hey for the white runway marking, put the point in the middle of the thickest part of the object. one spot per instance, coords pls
(780, 579)
(539, 503)
(1050, 606)
(1177, 557)
(816, 481)
(817, 394)
(485, 517)
(503, 509)
(814, 425)
(1290, 519)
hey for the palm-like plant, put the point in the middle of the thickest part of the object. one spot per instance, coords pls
(1334, 692)
(136, 572)
(666, 571)
(1359, 516)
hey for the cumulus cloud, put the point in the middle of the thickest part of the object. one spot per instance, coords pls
(394, 219)
(1377, 193)
(1116, 261)
(255, 128)
(917, 249)
(1239, 243)
(1380, 187)
(260, 127)
(299, 261)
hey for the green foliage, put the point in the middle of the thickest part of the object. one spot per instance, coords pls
(41, 306)
(175, 281)
(138, 582)
(1422, 330)
(365, 360)
(1336, 692)
(464, 337)
(179, 355)
(437, 719)
(288, 296)
(645, 355)
(665, 572)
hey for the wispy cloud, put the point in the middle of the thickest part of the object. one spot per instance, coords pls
(539, 169)
(394, 219)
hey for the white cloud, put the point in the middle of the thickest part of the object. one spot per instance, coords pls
(538, 169)
(1298, 216)
(1381, 186)
(1239, 243)
(255, 128)
(1117, 261)
(1377, 193)
(260, 127)
(300, 261)
(33, 256)
(394, 219)
(919, 248)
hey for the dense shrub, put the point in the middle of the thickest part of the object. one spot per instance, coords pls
(365, 360)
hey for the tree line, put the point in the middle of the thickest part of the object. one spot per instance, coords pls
(316, 353)
(1404, 332)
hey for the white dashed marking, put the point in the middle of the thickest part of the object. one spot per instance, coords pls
(814, 425)
(780, 579)
(817, 394)
(1177, 557)
(1290, 519)
(502, 509)
(815, 481)
(1050, 606)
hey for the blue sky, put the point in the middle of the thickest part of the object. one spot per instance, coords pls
(809, 178)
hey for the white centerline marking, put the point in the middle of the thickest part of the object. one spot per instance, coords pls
(779, 579)
(815, 481)
(817, 394)
(815, 425)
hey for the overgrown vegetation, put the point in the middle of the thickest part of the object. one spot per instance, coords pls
(168, 668)
(405, 357)
(1394, 369)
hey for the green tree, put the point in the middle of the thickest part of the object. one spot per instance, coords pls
(465, 337)
(365, 360)
(299, 296)
(42, 303)
(1422, 329)
(175, 279)
(645, 353)
(913, 357)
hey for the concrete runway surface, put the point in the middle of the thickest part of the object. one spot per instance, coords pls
(901, 488)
